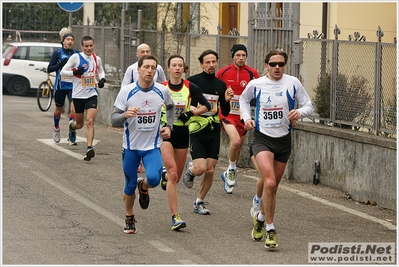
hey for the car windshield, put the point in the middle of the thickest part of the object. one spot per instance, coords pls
(6, 50)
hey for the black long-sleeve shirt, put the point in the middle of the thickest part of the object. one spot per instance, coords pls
(209, 84)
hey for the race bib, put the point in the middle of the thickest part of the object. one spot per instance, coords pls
(67, 79)
(88, 80)
(272, 115)
(235, 105)
(213, 101)
(180, 107)
(146, 119)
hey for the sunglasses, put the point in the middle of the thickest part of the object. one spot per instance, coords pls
(273, 64)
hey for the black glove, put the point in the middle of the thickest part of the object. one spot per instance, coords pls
(79, 71)
(184, 117)
(63, 62)
(101, 83)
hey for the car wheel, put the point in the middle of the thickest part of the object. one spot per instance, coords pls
(18, 86)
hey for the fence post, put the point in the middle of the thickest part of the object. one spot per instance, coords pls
(251, 23)
(334, 76)
(377, 82)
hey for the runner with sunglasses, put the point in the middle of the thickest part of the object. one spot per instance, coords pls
(276, 97)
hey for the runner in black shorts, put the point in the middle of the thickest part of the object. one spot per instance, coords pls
(205, 129)
(276, 96)
(174, 150)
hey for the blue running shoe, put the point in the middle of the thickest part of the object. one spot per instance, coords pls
(71, 132)
(177, 223)
(164, 182)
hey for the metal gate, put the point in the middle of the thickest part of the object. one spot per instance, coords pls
(272, 26)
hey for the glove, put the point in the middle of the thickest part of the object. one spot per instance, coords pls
(101, 83)
(79, 71)
(184, 117)
(63, 62)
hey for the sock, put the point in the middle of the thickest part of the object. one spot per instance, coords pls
(190, 172)
(258, 199)
(261, 217)
(56, 121)
(71, 117)
(269, 227)
(199, 200)
(232, 165)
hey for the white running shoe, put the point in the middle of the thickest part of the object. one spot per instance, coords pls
(71, 143)
(200, 208)
(255, 207)
(56, 135)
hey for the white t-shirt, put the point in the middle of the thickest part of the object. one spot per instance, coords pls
(132, 75)
(85, 85)
(143, 131)
(274, 99)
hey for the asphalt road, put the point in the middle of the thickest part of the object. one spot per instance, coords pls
(59, 209)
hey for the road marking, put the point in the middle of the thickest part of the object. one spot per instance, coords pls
(161, 247)
(334, 205)
(51, 143)
(79, 198)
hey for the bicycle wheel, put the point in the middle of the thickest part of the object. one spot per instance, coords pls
(44, 96)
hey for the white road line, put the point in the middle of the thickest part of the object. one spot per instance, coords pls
(51, 143)
(334, 205)
(161, 247)
(79, 198)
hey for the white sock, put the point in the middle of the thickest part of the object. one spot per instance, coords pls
(199, 200)
(258, 199)
(261, 217)
(269, 227)
(232, 165)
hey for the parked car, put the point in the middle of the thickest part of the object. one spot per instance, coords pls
(20, 62)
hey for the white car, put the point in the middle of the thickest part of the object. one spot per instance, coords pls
(20, 64)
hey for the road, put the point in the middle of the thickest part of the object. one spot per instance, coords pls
(59, 209)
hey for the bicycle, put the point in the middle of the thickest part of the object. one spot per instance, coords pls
(45, 92)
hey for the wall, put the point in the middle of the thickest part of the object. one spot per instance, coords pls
(360, 164)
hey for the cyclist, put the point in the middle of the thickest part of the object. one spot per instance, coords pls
(63, 84)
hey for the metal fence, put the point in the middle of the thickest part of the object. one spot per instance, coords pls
(353, 84)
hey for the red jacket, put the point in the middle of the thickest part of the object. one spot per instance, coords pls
(237, 79)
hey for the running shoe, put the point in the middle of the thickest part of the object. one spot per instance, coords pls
(71, 143)
(259, 229)
(164, 182)
(231, 175)
(256, 205)
(271, 239)
(144, 198)
(56, 135)
(200, 208)
(188, 178)
(140, 168)
(228, 189)
(177, 223)
(89, 154)
(130, 225)
(71, 132)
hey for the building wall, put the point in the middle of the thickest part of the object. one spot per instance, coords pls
(362, 17)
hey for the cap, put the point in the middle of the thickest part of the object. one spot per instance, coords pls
(237, 47)
(65, 36)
